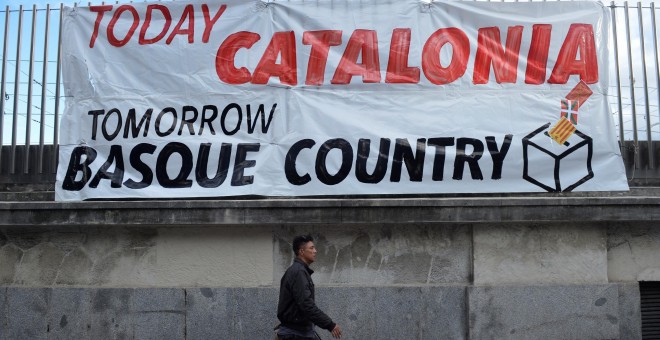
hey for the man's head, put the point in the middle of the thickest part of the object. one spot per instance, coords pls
(303, 247)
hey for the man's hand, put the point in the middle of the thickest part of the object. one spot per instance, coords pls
(336, 332)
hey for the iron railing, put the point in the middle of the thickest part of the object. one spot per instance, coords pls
(32, 99)
(30, 86)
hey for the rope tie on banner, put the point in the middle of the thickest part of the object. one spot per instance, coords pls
(425, 6)
(635, 153)
(263, 4)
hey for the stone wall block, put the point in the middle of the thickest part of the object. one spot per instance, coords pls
(382, 255)
(351, 308)
(4, 314)
(76, 269)
(400, 312)
(210, 257)
(27, 313)
(69, 313)
(632, 252)
(231, 313)
(99, 242)
(141, 313)
(10, 258)
(158, 313)
(111, 314)
(630, 312)
(66, 240)
(39, 265)
(207, 313)
(544, 312)
(252, 313)
(446, 312)
(539, 254)
(25, 238)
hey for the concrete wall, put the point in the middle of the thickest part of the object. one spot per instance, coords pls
(517, 280)
(136, 257)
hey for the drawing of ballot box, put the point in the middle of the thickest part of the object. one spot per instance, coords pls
(553, 166)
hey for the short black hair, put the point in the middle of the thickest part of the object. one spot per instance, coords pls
(299, 241)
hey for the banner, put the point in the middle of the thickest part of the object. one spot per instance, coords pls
(301, 98)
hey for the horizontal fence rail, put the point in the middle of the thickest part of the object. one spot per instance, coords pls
(32, 100)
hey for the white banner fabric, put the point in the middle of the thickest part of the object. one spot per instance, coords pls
(302, 98)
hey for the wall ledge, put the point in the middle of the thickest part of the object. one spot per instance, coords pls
(607, 207)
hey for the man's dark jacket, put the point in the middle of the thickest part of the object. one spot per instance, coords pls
(296, 308)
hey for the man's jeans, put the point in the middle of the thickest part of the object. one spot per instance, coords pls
(293, 337)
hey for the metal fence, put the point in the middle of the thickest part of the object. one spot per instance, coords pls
(30, 85)
(32, 99)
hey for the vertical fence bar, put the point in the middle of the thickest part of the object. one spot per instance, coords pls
(618, 79)
(56, 118)
(17, 80)
(656, 56)
(44, 82)
(632, 87)
(647, 107)
(28, 112)
(3, 85)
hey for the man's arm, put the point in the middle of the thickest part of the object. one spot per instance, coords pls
(302, 295)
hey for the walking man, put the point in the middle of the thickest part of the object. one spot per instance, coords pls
(296, 309)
